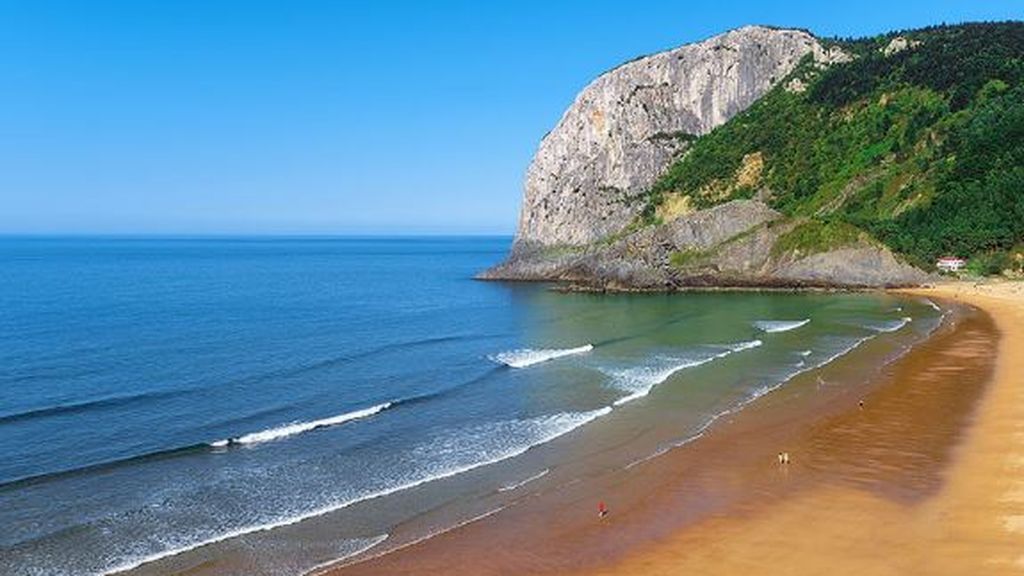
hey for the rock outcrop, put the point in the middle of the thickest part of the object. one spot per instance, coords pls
(626, 127)
(585, 183)
(733, 244)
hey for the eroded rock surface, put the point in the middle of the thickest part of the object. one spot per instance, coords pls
(625, 128)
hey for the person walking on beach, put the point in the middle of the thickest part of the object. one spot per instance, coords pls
(602, 510)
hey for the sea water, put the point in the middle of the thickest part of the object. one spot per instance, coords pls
(167, 397)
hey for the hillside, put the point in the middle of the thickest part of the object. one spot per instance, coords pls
(859, 166)
(918, 140)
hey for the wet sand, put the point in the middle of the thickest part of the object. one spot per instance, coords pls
(973, 524)
(896, 486)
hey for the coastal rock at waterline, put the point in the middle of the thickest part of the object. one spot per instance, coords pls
(867, 266)
(626, 127)
(733, 244)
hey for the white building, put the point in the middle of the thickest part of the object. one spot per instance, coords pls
(950, 264)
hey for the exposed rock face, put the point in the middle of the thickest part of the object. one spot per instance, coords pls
(622, 133)
(852, 266)
(731, 244)
(623, 130)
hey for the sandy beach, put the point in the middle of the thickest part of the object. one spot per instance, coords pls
(922, 477)
(974, 524)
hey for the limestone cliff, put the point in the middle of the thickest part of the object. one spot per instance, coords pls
(588, 182)
(624, 129)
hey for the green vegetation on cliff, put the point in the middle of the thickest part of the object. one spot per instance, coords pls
(918, 140)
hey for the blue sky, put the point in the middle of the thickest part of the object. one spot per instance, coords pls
(327, 117)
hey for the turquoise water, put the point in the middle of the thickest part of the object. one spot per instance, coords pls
(167, 397)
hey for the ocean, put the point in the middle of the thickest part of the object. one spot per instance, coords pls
(282, 404)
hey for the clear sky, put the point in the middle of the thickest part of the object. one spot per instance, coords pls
(216, 116)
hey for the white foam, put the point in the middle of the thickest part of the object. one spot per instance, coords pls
(299, 427)
(536, 431)
(529, 357)
(525, 481)
(805, 353)
(364, 545)
(758, 393)
(933, 305)
(772, 326)
(680, 443)
(640, 380)
(890, 326)
(741, 346)
(429, 535)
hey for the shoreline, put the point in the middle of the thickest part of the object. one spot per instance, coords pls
(973, 524)
(726, 474)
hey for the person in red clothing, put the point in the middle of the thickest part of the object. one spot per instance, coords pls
(602, 510)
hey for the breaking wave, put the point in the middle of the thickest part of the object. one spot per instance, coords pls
(639, 381)
(298, 427)
(772, 326)
(466, 450)
(529, 357)
(890, 326)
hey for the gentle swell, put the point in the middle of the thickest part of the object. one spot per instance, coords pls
(80, 407)
(771, 326)
(529, 357)
(279, 374)
(541, 429)
(299, 427)
(200, 447)
(253, 438)
(639, 381)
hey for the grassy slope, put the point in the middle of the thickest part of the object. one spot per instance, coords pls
(923, 149)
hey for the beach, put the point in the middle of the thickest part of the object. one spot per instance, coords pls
(920, 477)
(973, 525)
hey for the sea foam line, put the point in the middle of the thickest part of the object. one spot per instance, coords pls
(369, 543)
(529, 356)
(294, 428)
(639, 381)
(772, 326)
(702, 430)
(525, 481)
(423, 538)
(575, 420)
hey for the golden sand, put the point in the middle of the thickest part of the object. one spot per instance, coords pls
(973, 525)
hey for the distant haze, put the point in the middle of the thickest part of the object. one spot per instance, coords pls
(326, 117)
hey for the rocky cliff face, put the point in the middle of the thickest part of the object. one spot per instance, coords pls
(733, 244)
(625, 128)
(621, 134)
